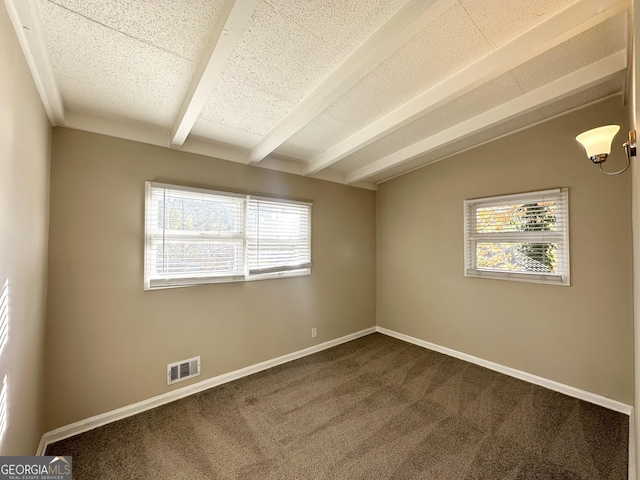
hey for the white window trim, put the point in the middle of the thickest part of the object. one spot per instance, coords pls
(195, 279)
(471, 240)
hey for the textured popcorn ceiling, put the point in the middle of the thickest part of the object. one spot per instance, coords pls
(342, 24)
(338, 86)
(450, 43)
(181, 28)
(582, 50)
(101, 70)
(502, 20)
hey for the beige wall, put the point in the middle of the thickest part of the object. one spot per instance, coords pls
(109, 341)
(580, 335)
(25, 137)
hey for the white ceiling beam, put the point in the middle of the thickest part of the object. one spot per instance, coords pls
(331, 175)
(231, 23)
(151, 135)
(286, 165)
(25, 16)
(215, 150)
(154, 135)
(120, 128)
(570, 22)
(574, 82)
(411, 19)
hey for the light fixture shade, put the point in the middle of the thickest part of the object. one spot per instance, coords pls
(598, 141)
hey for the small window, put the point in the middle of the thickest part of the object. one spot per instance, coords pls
(522, 237)
(196, 236)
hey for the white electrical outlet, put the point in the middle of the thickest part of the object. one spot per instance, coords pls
(313, 332)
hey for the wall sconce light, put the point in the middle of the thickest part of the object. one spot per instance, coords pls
(597, 143)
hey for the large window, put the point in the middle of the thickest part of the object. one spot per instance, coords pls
(195, 236)
(522, 237)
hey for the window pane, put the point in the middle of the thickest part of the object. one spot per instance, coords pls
(178, 258)
(517, 257)
(181, 211)
(523, 217)
(278, 234)
(510, 235)
(196, 236)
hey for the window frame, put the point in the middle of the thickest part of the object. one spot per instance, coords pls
(156, 282)
(473, 238)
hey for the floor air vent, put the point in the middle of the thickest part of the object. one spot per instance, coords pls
(176, 372)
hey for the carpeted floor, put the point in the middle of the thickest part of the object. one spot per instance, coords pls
(373, 408)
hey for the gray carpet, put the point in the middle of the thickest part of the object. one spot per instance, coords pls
(373, 408)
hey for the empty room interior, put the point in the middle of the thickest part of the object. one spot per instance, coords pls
(320, 239)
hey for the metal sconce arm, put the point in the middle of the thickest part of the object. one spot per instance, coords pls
(629, 150)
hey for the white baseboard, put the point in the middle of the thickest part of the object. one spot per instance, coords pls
(512, 372)
(139, 407)
(129, 410)
(543, 382)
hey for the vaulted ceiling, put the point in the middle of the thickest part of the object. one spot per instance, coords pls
(352, 91)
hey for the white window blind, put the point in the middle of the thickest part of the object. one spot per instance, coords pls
(195, 236)
(278, 237)
(523, 237)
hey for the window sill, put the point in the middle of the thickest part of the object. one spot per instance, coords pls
(548, 279)
(158, 284)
